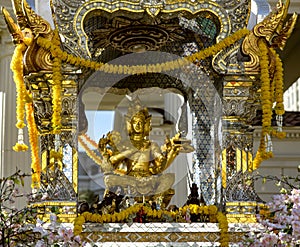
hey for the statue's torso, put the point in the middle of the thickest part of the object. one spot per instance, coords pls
(139, 163)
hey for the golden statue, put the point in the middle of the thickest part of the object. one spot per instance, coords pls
(135, 165)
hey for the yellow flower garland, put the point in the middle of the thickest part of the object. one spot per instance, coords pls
(56, 88)
(266, 104)
(278, 97)
(210, 210)
(141, 69)
(17, 69)
(270, 92)
(20, 147)
(278, 78)
(33, 139)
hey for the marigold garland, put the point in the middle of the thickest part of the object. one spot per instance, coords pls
(271, 91)
(141, 69)
(20, 147)
(57, 85)
(22, 95)
(210, 210)
(33, 139)
(266, 104)
(278, 78)
(17, 69)
(278, 97)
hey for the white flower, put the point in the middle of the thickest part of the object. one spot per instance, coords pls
(40, 243)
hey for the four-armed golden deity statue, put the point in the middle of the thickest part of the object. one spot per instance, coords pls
(135, 165)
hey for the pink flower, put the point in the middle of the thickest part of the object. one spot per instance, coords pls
(40, 243)
(9, 183)
(296, 229)
(295, 198)
(296, 213)
(65, 233)
(285, 237)
(52, 238)
(278, 202)
(270, 239)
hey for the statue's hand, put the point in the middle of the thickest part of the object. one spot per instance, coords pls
(114, 138)
(102, 144)
(181, 145)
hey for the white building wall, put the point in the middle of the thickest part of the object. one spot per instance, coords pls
(284, 163)
(10, 160)
(292, 97)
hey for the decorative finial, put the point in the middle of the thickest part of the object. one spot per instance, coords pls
(13, 28)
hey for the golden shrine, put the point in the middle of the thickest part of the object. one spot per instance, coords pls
(201, 51)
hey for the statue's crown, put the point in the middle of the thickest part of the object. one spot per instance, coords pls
(137, 109)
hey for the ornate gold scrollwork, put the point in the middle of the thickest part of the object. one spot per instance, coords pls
(36, 23)
(274, 29)
(31, 25)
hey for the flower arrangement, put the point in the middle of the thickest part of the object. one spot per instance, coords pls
(211, 211)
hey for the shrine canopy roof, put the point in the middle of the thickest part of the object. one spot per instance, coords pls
(99, 28)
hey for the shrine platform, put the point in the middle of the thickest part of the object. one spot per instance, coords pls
(163, 234)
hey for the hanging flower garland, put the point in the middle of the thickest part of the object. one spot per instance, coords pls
(141, 69)
(266, 105)
(279, 107)
(24, 103)
(210, 210)
(271, 91)
(17, 69)
(57, 85)
(33, 139)
(88, 151)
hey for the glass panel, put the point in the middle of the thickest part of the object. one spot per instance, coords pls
(182, 100)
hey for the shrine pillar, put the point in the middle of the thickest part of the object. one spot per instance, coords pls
(240, 102)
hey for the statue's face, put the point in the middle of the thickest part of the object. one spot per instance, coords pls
(138, 124)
